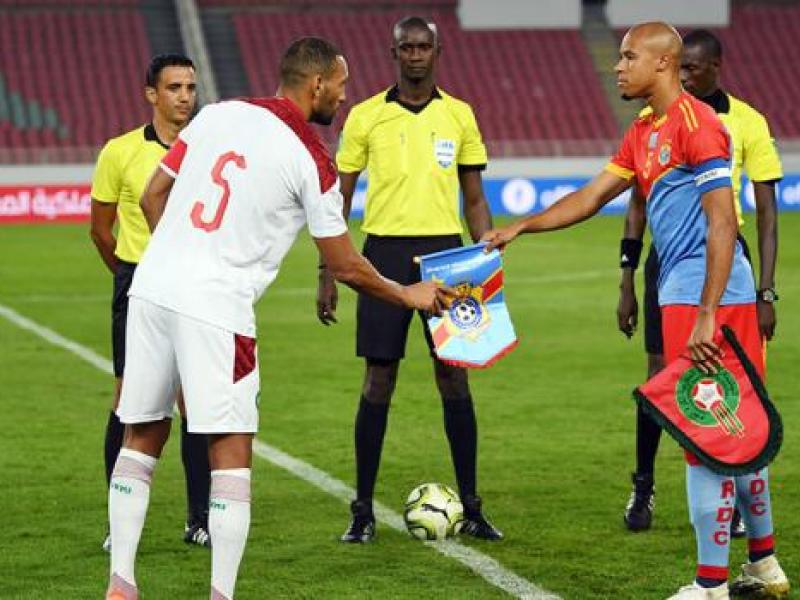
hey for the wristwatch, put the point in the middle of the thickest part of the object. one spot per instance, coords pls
(767, 295)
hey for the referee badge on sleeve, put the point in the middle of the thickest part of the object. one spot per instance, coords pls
(445, 152)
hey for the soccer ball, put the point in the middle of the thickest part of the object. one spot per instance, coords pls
(465, 312)
(433, 512)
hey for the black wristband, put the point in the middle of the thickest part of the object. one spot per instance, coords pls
(630, 250)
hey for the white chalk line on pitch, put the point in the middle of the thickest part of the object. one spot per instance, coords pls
(311, 291)
(481, 564)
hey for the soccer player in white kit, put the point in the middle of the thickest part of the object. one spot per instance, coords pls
(229, 199)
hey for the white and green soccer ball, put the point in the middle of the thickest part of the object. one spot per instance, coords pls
(433, 512)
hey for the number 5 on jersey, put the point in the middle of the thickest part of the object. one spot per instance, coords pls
(216, 176)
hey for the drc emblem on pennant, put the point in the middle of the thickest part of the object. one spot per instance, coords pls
(725, 419)
(467, 314)
(475, 330)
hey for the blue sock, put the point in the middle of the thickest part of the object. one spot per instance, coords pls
(711, 501)
(753, 495)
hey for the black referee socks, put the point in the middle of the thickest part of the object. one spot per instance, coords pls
(462, 433)
(369, 432)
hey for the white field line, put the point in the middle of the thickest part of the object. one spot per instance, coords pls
(481, 564)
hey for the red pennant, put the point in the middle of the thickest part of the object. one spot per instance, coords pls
(726, 419)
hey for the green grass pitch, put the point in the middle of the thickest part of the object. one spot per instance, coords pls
(556, 426)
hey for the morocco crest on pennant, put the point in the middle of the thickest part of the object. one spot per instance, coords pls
(710, 400)
(726, 419)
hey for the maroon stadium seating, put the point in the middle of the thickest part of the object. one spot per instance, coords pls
(417, 4)
(760, 58)
(70, 79)
(48, 4)
(524, 85)
(760, 54)
(86, 68)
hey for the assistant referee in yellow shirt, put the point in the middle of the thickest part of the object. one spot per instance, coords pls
(123, 169)
(754, 153)
(418, 144)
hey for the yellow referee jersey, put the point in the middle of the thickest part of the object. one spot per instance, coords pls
(754, 148)
(123, 168)
(412, 160)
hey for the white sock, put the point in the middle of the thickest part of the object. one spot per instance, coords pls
(228, 524)
(128, 497)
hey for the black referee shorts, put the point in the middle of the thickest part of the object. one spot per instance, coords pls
(382, 328)
(119, 313)
(653, 336)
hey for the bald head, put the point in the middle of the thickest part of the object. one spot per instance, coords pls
(659, 38)
(650, 58)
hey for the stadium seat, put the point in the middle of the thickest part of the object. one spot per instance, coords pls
(53, 93)
(760, 52)
(532, 91)
(523, 84)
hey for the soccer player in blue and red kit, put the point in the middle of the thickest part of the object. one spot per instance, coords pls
(679, 156)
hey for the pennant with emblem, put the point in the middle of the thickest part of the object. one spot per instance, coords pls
(726, 419)
(475, 330)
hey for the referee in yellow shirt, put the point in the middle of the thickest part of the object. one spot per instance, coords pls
(418, 145)
(123, 169)
(754, 152)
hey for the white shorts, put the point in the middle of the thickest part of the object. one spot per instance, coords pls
(217, 369)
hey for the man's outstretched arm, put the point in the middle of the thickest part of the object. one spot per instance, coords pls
(572, 208)
(348, 266)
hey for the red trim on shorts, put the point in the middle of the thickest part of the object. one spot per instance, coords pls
(691, 459)
(678, 321)
(288, 112)
(174, 158)
(711, 572)
(244, 361)
(761, 544)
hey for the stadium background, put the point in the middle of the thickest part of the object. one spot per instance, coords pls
(539, 74)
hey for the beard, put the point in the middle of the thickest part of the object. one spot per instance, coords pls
(322, 118)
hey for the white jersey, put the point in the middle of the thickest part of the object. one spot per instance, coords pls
(248, 175)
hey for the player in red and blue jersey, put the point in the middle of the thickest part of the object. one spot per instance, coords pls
(679, 157)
